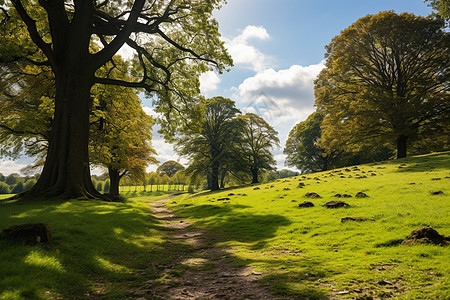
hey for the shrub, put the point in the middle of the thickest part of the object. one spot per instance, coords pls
(29, 184)
(18, 188)
(4, 188)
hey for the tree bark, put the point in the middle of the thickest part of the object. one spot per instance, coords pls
(215, 177)
(114, 178)
(401, 146)
(66, 172)
(222, 178)
(254, 174)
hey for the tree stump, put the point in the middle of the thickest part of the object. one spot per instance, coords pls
(29, 234)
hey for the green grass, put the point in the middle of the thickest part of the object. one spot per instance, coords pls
(100, 250)
(309, 253)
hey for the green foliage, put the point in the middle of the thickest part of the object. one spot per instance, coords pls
(258, 139)
(4, 188)
(385, 83)
(209, 137)
(441, 6)
(174, 42)
(29, 184)
(12, 179)
(304, 152)
(302, 149)
(170, 168)
(121, 130)
(18, 188)
(309, 252)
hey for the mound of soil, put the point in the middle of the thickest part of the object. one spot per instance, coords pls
(256, 188)
(335, 204)
(230, 194)
(361, 195)
(306, 204)
(426, 235)
(346, 219)
(300, 185)
(312, 195)
(29, 233)
(436, 192)
(223, 199)
(286, 189)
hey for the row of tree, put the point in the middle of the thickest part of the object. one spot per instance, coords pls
(14, 183)
(385, 89)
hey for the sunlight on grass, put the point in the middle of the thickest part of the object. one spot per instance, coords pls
(102, 249)
(110, 266)
(305, 248)
(39, 259)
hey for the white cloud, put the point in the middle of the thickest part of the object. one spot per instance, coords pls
(253, 32)
(281, 96)
(246, 55)
(150, 111)
(209, 82)
(8, 167)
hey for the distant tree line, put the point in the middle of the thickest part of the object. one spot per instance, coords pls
(14, 183)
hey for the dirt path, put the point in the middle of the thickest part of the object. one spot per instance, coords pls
(209, 273)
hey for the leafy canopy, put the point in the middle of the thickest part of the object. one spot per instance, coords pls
(385, 81)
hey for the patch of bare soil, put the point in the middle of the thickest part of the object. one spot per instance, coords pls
(208, 272)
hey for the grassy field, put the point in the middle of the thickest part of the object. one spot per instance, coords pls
(108, 250)
(309, 253)
(100, 250)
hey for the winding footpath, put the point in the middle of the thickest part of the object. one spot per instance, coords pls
(209, 271)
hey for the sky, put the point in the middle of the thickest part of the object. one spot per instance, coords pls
(278, 49)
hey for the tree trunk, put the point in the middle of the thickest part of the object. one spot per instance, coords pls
(215, 177)
(401, 146)
(208, 181)
(114, 178)
(254, 174)
(222, 178)
(66, 172)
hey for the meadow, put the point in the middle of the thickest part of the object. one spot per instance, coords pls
(109, 250)
(310, 253)
(100, 249)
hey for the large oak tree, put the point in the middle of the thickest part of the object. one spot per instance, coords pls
(174, 41)
(386, 80)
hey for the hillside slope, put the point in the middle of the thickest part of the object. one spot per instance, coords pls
(310, 253)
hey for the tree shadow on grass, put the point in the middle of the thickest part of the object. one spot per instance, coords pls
(231, 224)
(100, 250)
(436, 161)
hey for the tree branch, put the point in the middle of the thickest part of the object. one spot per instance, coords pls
(124, 83)
(101, 57)
(34, 34)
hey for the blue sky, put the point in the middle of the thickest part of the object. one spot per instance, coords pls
(278, 50)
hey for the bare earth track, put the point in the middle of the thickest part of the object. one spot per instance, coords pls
(209, 272)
